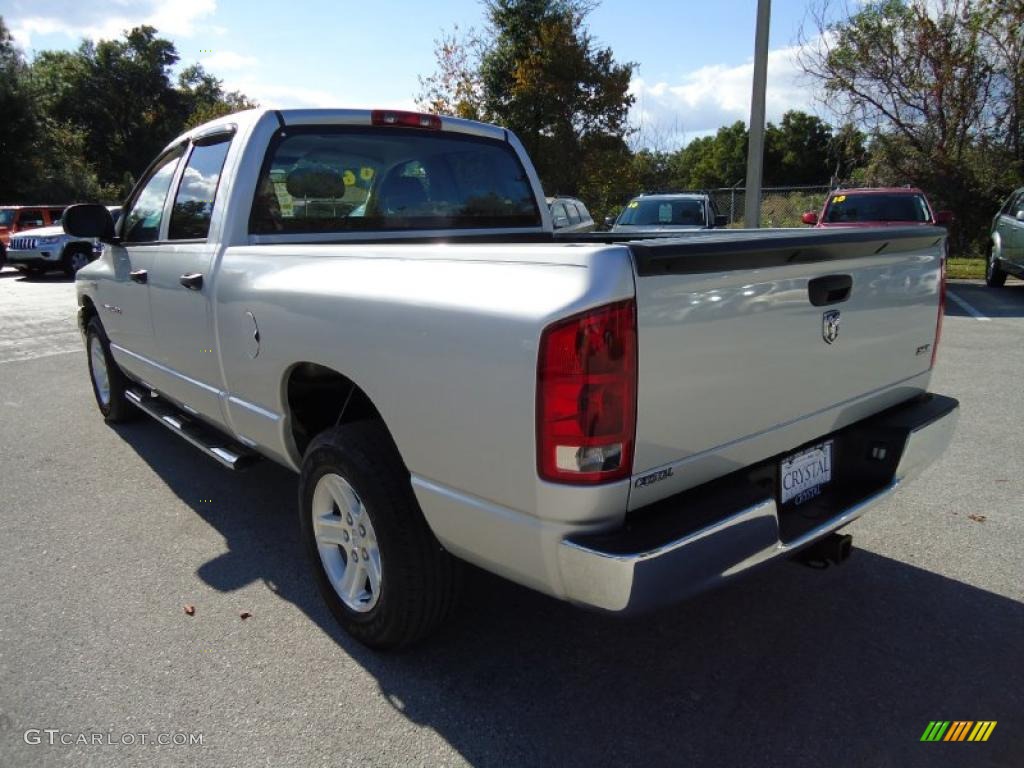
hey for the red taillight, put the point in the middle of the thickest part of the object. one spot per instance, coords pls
(405, 119)
(942, 309)
(586, 396)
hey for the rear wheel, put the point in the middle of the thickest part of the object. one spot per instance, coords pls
(108, 382)
(994, 276)
(383, 574)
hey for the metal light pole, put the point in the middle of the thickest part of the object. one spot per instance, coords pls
(755, 148)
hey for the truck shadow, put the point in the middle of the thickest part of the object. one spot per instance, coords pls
(1007, 301)
(790, 667)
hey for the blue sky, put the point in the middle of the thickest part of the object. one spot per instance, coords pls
(694, 56)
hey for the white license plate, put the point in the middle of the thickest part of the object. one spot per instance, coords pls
(803, 475)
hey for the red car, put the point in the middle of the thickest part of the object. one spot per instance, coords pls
(877, 207)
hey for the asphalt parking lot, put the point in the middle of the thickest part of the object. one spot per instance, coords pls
(106, 533)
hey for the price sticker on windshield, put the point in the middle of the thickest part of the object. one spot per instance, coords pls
(839, 199)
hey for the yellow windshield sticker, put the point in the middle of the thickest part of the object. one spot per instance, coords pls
(634, 204)
(350, 179)
(839, 199)
(366, 173)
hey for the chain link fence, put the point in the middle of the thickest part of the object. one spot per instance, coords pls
(780, 206)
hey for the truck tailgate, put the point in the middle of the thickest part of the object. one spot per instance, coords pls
(751, 344)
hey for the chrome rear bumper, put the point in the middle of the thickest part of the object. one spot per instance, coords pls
(702, 538)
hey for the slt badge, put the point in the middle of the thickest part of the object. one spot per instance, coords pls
(830, 326)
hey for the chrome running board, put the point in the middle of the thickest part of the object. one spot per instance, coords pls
(210, 441)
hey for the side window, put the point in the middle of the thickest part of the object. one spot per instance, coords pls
(193, 204)
(30, 219)
(142, 225)
(1013, 204)
(574, 214)
(559, 216)
(584, 213)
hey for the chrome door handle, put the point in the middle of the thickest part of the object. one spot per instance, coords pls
(139, 276)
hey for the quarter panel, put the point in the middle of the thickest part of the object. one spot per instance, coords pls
(443, 339)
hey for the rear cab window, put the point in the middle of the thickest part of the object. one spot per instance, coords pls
(363, 179)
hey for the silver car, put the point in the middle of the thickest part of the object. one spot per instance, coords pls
(570, 215)
(1006, 250)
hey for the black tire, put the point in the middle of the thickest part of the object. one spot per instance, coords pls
(994, 276)
(116, 409)
(420, 582)
(71, 261)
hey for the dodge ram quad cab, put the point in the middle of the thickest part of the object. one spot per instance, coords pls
(377, 300)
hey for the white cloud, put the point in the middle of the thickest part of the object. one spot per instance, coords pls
(715, 95)
(227, 60)
(180, 18)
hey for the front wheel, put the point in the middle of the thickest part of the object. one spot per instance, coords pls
(383, 574)
(994, 276)
(108, 382)
(74, 259)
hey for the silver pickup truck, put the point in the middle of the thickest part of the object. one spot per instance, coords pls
(376, 300)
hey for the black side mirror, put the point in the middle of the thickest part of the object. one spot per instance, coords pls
(89, 220)
(609, 221)
(721, 220)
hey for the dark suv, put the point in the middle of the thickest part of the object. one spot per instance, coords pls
(673, 212)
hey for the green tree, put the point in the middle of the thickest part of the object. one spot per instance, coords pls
(797, 151)
(456, 87)
(119, 94)
(720, 161)
(204, 97)
(536, 70)
(937, 84)
(18, 120)
(544, 78)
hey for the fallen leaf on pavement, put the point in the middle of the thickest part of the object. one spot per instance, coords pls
(977, 518)
(244, 615)
(190, 610)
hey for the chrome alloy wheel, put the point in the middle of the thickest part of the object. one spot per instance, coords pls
(347, 543)
(98, 366)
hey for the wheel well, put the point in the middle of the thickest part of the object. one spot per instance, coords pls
(77, 245)
(320, 398)
(86, 313)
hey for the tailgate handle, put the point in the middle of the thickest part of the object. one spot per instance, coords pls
(830, 289)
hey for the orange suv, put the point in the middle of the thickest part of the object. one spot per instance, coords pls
(16, 218)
